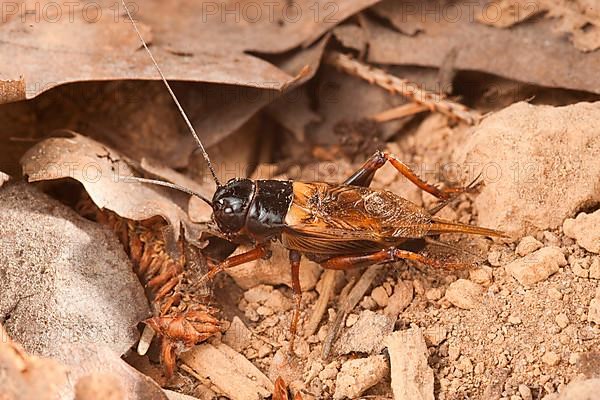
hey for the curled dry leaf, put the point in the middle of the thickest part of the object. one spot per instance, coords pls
(506, 13)
(93, 367)
(64, 279)
(534, 44)
(194, 41)
(3, 178)
(181, 316)
(25, 377)
(82, 372)
(103, 172)
(281, 391)
(576, 18)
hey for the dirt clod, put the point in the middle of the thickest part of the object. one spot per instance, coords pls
(403, 295)
(539, 165)
(528, 245)
(464, 294)
(356, 376)
(537, 266)
(412, 378)
(584, 229)
(367, 334)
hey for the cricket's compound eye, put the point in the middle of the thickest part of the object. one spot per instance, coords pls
(231, 203)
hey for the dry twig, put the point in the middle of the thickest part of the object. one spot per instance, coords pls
(433, 101)
(402, 111)
(355, 295)
(321, 304)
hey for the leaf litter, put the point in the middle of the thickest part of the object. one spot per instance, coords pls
(475, 328)
(90, 46)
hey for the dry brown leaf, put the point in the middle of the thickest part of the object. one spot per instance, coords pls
(506, 13)
(3, 178)
(405, 16)
(195, 41)
(100, 170)
(531, 52)
(84, 373)
(64, 279)
(91, 365)
(580, 19)
(28, 378)
(139, 118)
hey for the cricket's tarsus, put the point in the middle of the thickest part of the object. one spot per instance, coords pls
(181, 111)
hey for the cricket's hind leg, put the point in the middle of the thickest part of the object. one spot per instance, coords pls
(364, 176)
(295, 265)
(385, 256)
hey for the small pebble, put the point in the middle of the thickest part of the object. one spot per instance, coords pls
(418, 286)
(464, 294)
(329, 372)
(573, 358)
(264, 350)
(537, 266)
(528, 245)
(494, 258)
(258, 294)
(465, 365)
(525, 392)
(278, 302)
(453, 352)
(358, 375)
(380, 296)
(562, 320)
(434, 335)
(482, 275)
(479, 368)
(351, 320)
(514, 320)
(584, 229)
(402, 297)
(578, 268)
(555, 294)
(551, 358)
(264, 311)
(368, 303)
(551, 238)
(594, 311)
(434, 294)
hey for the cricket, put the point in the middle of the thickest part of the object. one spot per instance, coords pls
(339, 226)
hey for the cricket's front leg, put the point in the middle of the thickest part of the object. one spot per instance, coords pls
(260, 251)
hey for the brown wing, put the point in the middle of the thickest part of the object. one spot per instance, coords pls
(326, 218)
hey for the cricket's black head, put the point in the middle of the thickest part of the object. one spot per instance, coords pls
(230, 204)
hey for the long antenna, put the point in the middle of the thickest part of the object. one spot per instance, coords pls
(167, 184)
(183, 114)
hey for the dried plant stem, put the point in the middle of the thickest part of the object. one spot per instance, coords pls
(402, 111)
(393, 84)
(321, 304)
(355, 295)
